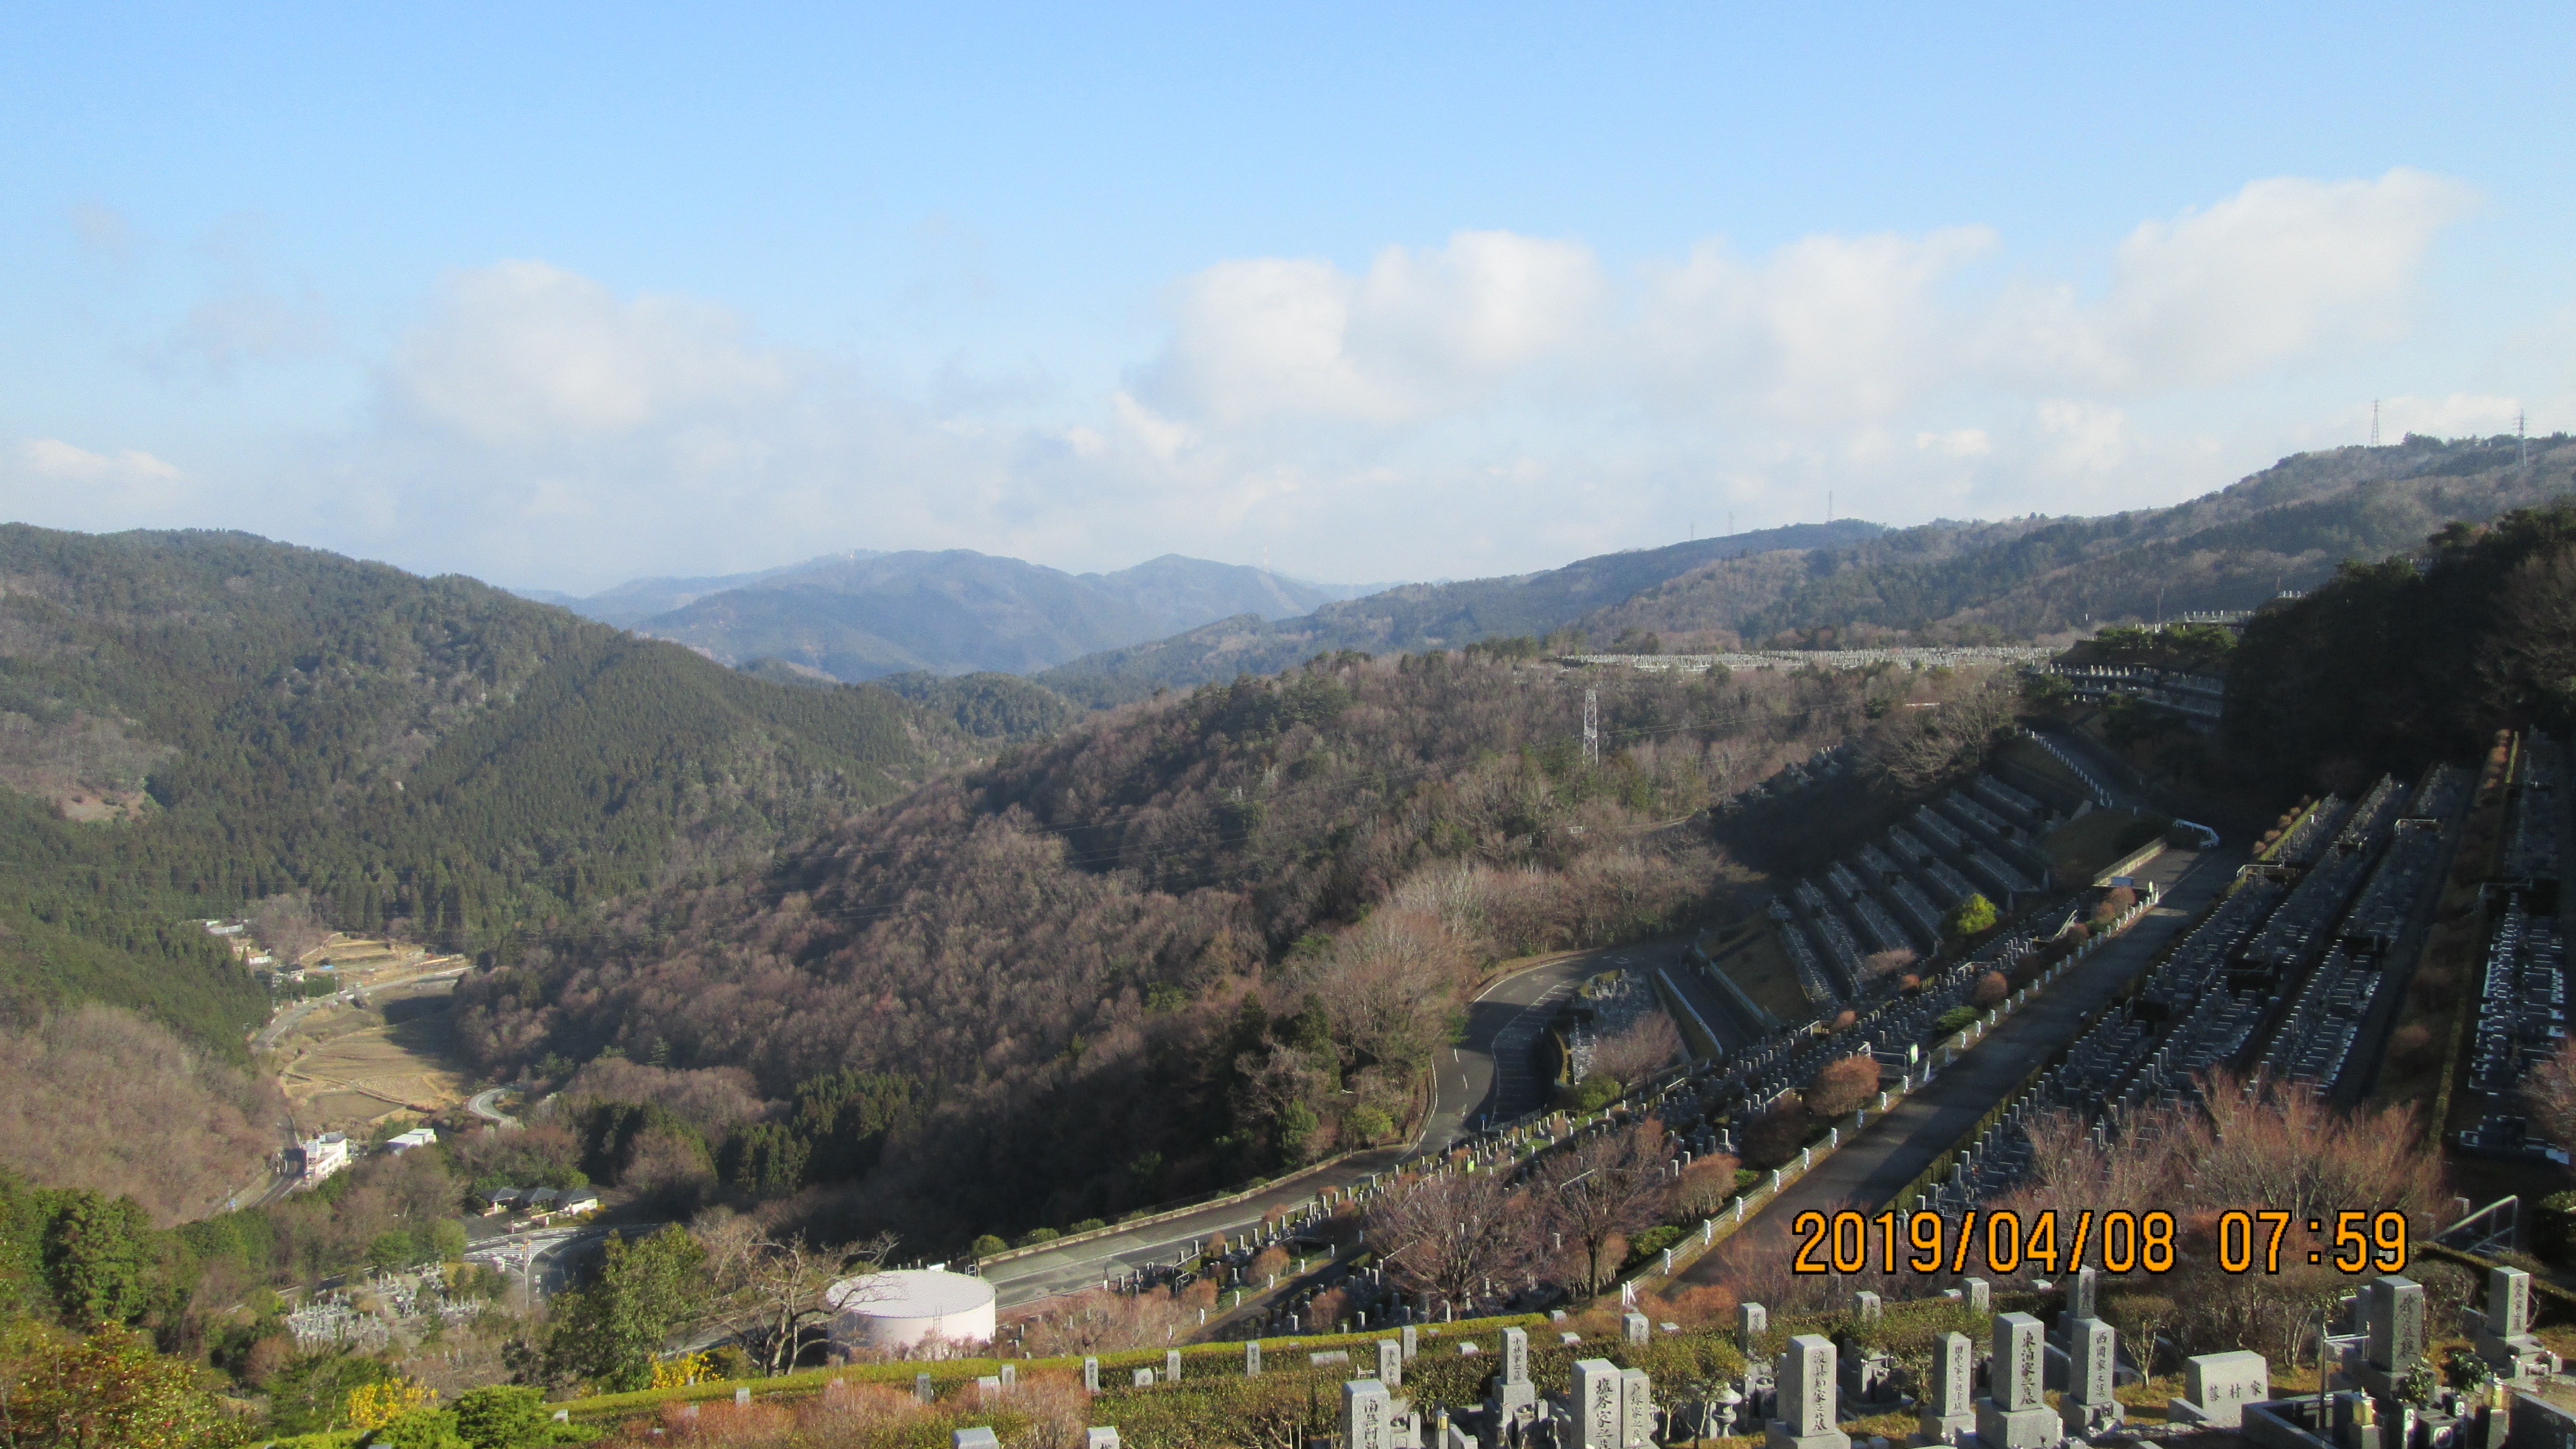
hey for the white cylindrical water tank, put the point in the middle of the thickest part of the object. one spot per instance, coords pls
(910, 1309)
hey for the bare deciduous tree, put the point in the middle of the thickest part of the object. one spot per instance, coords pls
(775, 1285)
(2549, 1094)
(288, 927)
(1446, 1234)
(1650, 1044)
(1608, 1184)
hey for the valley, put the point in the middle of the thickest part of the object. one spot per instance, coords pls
(1107, 995)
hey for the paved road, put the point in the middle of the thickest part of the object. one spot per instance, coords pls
(481, 1105)
(1487, 1076)
(1900, 1145)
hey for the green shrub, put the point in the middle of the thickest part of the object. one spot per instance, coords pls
(1591, 1094)
(987, 1245)
(2553, 1231)
(1087, 1225)
(1646, 1246)
(1035, 1236)
(1957, 1018)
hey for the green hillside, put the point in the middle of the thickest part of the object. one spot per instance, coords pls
(190, 721)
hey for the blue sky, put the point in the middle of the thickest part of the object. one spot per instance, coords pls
(565, 297)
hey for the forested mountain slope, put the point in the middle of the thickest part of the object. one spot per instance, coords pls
(2415, 658)
(858, 617)
(1419, 616)
(2288, 527)
(190, 721)
(1192, 940)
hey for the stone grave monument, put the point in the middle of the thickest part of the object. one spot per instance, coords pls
(2015, 1415)
(2216, 1388)
(1805, 1380)
(1949, 1402)
(2093, 1353)
(2504, 1337)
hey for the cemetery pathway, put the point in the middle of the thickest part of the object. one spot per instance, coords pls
(1487, 1075)
(1897, 1147)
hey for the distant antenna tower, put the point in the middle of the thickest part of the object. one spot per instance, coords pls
(1592, 727)
(2522, 441)
(2374, 422)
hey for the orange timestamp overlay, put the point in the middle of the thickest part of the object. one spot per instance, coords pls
(2118, 1241)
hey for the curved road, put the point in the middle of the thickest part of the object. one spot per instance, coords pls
(481, 1105)
(1485, 1077)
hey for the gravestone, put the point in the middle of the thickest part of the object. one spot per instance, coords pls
(988, 1387)
(2504, 1339)
(1252, 1358)
(1806, 1395)
(1390, 1364)
(2216, 1388)
(1596, 1404)
(1869, 1375)
(1865, 1307)
(1144, 1379)
(1406, 1338)
(1637, 1326)
(1091, 1374)
(1513, 1403)
(974, 1439)
(921, 1388)
(1752, 1320)
(2088, 1407)
(1636, 1409)
(2393, 1345)
(1367, 1415)
(2082, 1295)
(1171, 1365)
(1010, 1377)
(1100, 1437)
(1980, 1294)
(741, 1397)
(1949, 1402)
(2015, 1415)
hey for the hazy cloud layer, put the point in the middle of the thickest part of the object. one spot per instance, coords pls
(1496, 402)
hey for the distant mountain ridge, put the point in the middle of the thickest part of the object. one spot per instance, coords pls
(863, 615)
(2288, 527)
(1423, 616)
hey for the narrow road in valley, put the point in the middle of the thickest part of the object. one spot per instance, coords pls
(484, 1104)
(1486, 1077)
(1895, 1148)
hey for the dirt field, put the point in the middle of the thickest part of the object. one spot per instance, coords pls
(346, 1068)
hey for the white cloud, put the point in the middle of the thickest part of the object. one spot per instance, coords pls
(1956, 443)
(1421, 331)
(54, 458)
(524, 352)
(1825, 327)
(1493, 403)
(2282, 269)
(56, 484)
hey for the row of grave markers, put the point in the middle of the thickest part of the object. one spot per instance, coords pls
(1806, 1387)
